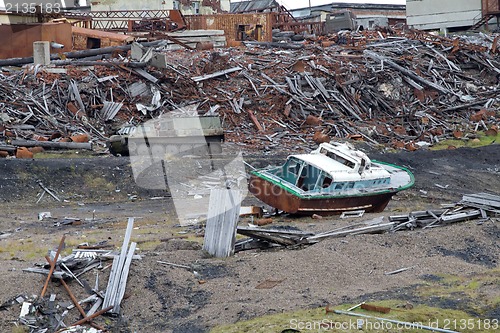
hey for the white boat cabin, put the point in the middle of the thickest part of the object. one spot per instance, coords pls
(333, 167)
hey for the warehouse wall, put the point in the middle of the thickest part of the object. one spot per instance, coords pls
(441, 14)
(187, 7)
(230, 23)
(17, 39)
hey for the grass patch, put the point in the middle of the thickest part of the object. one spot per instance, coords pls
(474, 290)
(482, 140)
(23, 250)
(317, 320)
(64, 154)
(20, 329)
(92, 181)
(148, 245)
(457, 303)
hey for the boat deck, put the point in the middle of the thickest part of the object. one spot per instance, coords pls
(400, 177)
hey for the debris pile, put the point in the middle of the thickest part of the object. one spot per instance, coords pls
(45, 314)
(404, 89)
(480, 206)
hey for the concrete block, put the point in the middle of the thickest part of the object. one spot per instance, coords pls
(159, 60)
(41, 53)
(136, 51)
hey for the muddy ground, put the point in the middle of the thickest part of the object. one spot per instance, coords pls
(101, 191)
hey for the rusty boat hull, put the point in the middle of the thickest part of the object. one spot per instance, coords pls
(291, 203)
(291, 199)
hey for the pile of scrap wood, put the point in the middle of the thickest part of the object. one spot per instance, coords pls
(404, 89)
(480, 206)
(46, 314)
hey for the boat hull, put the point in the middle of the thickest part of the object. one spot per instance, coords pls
(282, 199)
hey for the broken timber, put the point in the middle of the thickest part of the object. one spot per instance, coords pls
(408, 72)
(53, 266)
(480, 206)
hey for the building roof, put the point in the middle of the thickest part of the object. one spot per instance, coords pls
(253, 6)
(101, 34)
(353, 5)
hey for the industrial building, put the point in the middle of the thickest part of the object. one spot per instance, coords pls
(186, 7)
(367, 15)
(452, 15)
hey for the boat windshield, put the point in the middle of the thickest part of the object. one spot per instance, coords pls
(337, 158)
(308, 177)
(300, 174)
(289, 171)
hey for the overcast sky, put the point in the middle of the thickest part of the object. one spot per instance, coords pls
(291, 4)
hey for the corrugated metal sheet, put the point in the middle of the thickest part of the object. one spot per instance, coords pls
(230, 22)
(110, 109)
(222, 219)
(252, 6)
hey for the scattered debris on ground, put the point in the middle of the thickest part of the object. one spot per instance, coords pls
(480, 206)
(42, 314)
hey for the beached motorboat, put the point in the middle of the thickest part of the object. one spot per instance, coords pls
(332, 179)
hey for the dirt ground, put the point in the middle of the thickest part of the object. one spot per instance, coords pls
(101, 191)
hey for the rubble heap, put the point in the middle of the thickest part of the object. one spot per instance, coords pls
(403, 89)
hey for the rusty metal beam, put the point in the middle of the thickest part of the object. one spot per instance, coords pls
(77, 305)
(86, 319)
(52, 266)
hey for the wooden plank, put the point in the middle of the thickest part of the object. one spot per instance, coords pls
(111, 280)
(461, 216)
(281, 240)
(357, 231)
(255, 121)
(145, 75)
